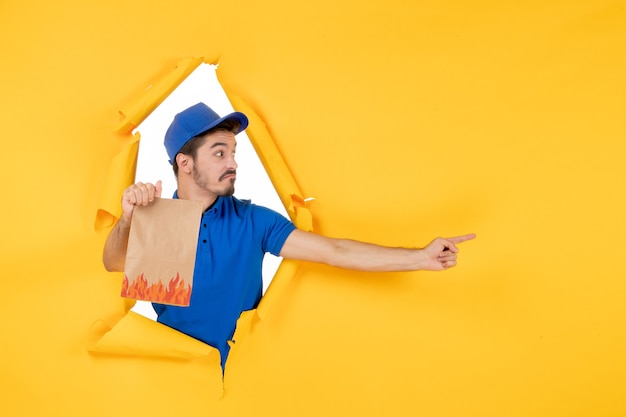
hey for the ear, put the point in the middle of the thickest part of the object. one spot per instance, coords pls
(184, 163)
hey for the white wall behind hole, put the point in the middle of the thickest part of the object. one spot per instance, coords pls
(152, 164)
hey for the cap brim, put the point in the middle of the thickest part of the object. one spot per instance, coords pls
(236, 116)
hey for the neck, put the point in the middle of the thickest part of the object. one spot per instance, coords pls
(191, 192)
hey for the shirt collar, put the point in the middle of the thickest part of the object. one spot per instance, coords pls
(212, 207)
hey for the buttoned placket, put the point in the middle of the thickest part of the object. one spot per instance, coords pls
(204, 228)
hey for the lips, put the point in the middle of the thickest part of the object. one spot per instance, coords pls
(228, 175)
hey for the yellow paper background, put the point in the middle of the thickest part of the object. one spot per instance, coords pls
(405, 120)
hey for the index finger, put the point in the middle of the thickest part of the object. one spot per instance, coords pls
(158, 188)
(459, 239)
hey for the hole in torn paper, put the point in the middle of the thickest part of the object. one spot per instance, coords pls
(253, 183)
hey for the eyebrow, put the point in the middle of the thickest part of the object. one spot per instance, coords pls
(216, 144)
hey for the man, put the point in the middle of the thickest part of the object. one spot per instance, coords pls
(234, 235)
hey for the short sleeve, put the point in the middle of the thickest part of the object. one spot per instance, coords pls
(274, 228)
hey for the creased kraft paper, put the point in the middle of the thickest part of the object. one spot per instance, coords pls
(161, 251)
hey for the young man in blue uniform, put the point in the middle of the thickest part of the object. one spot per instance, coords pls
(234, 234)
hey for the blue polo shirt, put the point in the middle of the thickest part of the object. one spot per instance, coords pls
(234, 237)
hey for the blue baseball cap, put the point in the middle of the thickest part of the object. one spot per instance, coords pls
(194, 121)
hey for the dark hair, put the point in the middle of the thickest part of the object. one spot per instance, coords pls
(191, 146)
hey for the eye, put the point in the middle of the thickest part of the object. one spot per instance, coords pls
(219, 153)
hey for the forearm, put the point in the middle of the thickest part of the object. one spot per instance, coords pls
(114, 253)
(350, 254)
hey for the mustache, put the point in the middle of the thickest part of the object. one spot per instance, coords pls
(227, 173)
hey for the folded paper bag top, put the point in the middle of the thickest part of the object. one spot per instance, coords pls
(161, 251)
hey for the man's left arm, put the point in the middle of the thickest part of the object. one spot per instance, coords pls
(438, 255)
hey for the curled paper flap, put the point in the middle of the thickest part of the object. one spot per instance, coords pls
(277, 287)
(121, 175)
(135, 335)
(135, 112)
(302, 216)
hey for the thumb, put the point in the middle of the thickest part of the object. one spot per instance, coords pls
(159, 188)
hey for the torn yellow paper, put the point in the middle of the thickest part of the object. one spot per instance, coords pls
(136, 111)
(121, 175)
(405, 120)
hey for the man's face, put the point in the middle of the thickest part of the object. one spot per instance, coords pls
(214, 168)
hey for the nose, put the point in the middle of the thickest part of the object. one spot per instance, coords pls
(232, 163)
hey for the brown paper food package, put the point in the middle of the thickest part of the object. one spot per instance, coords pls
(162, 251)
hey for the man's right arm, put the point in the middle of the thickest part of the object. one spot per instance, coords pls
(114, 254)
(139, 194)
